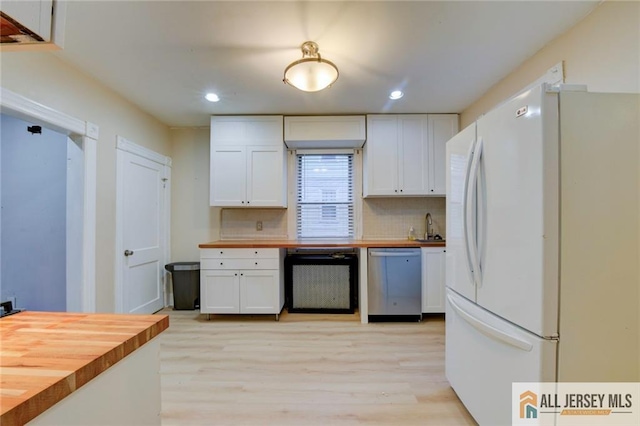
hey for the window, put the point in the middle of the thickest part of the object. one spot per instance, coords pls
(325, 196)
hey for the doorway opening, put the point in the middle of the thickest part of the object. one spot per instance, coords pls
(48, 194)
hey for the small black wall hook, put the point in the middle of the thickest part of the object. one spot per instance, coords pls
(34, 129)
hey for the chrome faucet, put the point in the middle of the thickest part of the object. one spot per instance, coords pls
(429, 230)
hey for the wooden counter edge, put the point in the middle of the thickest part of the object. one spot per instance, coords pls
(48, 397)
(318, 244)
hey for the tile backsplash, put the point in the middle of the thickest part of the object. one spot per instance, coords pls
(386, 218)
(382, 218)
(241, 224)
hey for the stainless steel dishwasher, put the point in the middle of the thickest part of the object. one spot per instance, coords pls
(395, 281)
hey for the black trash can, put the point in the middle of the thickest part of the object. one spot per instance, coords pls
(186, 284)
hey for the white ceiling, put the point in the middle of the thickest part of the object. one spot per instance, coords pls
(164, 56)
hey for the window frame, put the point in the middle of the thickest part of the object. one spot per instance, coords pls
(292, 187)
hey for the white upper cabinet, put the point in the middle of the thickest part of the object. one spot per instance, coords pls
(35, 15)
(344, 131)
(381, 155)
(405, 154)
(247, 162)
(442, 127)
(228, 175)
(266, 180)
(246, 130)
(413, 155)
(395, 155)
(40, 24)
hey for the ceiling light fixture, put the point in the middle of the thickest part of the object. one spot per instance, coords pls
(212, 97)
(396, 94)
(311, 73)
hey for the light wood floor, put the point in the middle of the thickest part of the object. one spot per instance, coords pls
(306, 369)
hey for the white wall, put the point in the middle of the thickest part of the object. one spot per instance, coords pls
(44, 78)
(602, 51)
(193, 221)
(34, 216)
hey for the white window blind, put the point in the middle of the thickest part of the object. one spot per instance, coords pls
(325, 196)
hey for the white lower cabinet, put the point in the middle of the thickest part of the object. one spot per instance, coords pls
(241, 281)
(259, 292)
(433, 279)
(219, 291)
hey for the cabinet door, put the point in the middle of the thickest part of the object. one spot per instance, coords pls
(228, 176)
(35, 15)
(246, 130)
(301, 131)
(219, 291)
(442, 127)
(433, 280)
(381, 156)
(266, 177)
(413, 154)
(260, 292)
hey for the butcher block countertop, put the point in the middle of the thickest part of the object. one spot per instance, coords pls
(45, 356)
(318, 243)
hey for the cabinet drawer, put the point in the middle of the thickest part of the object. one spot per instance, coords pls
(240, 263)
(239, 253)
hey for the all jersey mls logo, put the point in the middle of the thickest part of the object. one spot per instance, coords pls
(579, 404)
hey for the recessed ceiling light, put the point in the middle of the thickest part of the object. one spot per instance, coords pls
(396, 94)
(212, 97)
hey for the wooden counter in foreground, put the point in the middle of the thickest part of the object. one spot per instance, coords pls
(319, 243)
(47, 356)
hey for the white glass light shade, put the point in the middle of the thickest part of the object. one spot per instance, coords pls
(311, 73)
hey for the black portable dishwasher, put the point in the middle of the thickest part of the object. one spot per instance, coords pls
(321, 281)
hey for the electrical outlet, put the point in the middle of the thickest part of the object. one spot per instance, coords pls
(259, 225)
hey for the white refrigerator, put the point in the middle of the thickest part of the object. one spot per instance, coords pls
(543, 246)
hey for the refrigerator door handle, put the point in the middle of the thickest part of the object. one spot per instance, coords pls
(471, 216)
(489, 330)
(465, 211)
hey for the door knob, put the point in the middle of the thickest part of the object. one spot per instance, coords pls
(128, 252)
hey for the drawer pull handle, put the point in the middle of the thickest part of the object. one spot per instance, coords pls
(256, 263)
(220, 263)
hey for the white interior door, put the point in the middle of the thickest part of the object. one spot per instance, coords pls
(142, 226)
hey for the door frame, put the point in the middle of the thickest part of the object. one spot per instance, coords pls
(85, 134)
(125, 145)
